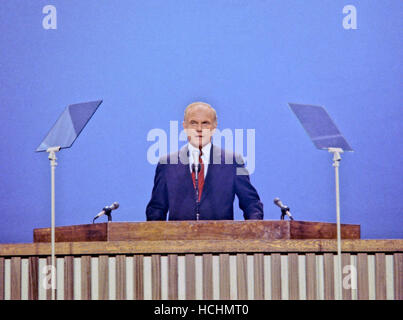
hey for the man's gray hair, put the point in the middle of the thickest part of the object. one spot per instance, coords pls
(198, 103)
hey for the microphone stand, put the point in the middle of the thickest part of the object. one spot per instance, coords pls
(196, 171)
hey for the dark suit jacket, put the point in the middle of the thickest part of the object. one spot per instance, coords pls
(173, 189)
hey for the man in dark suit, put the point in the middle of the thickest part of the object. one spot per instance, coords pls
(222, 175)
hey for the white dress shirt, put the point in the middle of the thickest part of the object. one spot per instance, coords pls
(205, 156)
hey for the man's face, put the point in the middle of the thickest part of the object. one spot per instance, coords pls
(199, 125)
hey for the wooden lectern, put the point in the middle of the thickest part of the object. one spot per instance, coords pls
(226, 260)
(198, 230)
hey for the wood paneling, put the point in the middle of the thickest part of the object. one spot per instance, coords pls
(86, 278)
(198, 230)
(103, 277)
(156, 276)
(276, 276)
(242, 276)
(224, 277)
(15, 278)
(207, 276)
(121, 277)
(201, 246)
(33, 281)
(380, 276)
(293, 283)
(310, 276)
(362, 276)
(329, 269)
(190, 277)
(138, 278)
(2, 275)
(68, 278)
(172, 277)
(258, 276)
(398, 275)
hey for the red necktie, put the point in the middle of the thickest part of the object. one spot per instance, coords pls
(200, 176)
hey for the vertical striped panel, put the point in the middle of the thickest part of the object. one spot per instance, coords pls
(380, 276)
(24, 279)
(258, 273)
(319, 277)
(389, 265)
(181, 278)
(129, 278)
(147, 278)
(1, 278)
(172, 277)
(216, 277)
(398, 278)
(267, 277)
(329, 271)
(276, 276)
(77, 278)
(242, 284)
(164, 277)
(121, 277)
(190, 277)
(310, 261)
(293, 276)
(60, 278)
(207, 277)
(284, 276)
(346, 286)
(103, 277)
(68, 278)
(302, 276)
(85, 278)
(233, 277)
(362, 276)
(250, 277)
(15, 278)
(225, 277)
(199, 277)
(138, 264)
(156, 276)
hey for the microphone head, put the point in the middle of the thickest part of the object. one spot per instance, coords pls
(278, 202)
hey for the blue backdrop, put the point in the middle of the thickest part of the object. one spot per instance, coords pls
(148, 59)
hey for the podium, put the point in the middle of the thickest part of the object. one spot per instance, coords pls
(202, 260)
(198, 230)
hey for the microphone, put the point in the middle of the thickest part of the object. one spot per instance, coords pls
(285, 210)
(196, 167)
(107, 211)
(196, 164)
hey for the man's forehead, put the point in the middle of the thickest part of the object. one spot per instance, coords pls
(199, 110)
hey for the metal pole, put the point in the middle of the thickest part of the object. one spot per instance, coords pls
(336, 162)
(53, 164)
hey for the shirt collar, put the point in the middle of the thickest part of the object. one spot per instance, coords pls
(205, 150)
